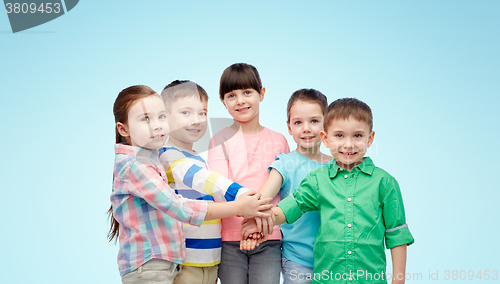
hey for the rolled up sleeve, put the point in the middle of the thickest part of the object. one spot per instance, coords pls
(397, 232)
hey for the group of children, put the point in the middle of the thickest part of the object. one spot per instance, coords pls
(163, 210)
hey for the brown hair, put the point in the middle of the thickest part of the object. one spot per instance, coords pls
(125, 100)
(344, 108)
(308, 95)
(181, 89)
(239, 76)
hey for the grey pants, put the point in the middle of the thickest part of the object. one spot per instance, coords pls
(261, 265)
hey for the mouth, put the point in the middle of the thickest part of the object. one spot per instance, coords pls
(194, 130)
(243, 109)
(307, 138)
(348, 154)
(159, 136)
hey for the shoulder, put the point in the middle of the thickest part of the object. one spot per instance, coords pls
(272, 133)
(123, 163)
(323, 170)
(170, 153)
(224, 133)
(282, 160)
(287, 157)
(382, 174)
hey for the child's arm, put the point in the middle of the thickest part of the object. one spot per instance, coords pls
(272, 185)
(247, 205)
(186, 170)
(146, 183)
(397, 234)
(398, 264)
(269, 189)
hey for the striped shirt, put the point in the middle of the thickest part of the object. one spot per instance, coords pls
(148, 210)
(188, 174)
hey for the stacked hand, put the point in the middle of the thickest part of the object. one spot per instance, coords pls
(256, 230)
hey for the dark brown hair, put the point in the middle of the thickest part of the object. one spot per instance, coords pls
(125, 100)
(239, 76)
(181, 89)
(344, 108)
(308, 95)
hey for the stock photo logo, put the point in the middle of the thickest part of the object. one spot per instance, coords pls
(25, 15)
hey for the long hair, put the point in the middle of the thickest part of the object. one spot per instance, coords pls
(125, 100)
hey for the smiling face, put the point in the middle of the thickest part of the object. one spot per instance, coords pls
(147, 125)
(348, 140)
(187, 119)
(305, 125)
(243, 104)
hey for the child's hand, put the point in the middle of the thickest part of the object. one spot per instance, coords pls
(249, 205)
(252, 241)
(249, 227)
(266, 225)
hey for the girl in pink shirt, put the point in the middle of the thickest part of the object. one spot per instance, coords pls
(243, 153)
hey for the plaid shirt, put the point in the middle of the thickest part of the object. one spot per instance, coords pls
(148, 210)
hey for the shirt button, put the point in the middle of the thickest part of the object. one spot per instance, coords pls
(349, 199)
(346, 176)
(349, 252)
(349, 225)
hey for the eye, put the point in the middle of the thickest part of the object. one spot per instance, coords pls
(315, 121)
(297, 122)
(185, 112)
(162, 116)
(203, 113)
(230, 96)
(146, 118)
(247, 92)
(339, 135)
(358, 135)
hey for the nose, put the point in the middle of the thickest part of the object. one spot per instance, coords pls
(155, 124)
(347, 143)
(306, 127)
(241, 100)
(195, 120)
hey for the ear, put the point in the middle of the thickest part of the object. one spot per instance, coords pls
(222, 101)
(289, 129)
(370, 139)
(262, 92)
(324, 137)
(122, 129)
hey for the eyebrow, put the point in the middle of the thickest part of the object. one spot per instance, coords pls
(312, 117)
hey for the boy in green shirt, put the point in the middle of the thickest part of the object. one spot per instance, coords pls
(360, 205)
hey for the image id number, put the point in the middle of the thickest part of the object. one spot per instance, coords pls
(33, 8)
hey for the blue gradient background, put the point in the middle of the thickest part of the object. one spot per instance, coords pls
(429, 69)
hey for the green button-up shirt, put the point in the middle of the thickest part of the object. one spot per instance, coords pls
(358, 211)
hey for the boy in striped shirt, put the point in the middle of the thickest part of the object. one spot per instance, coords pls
(188, 175)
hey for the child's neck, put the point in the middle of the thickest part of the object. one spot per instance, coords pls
(350, 166)
(174, 142)
(250, 127)
(313, 154)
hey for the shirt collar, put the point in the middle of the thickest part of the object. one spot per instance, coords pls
(366, 167)
(138, 152)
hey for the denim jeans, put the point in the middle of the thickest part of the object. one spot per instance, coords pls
(295, 273)
(261, 265)
(153, 271)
